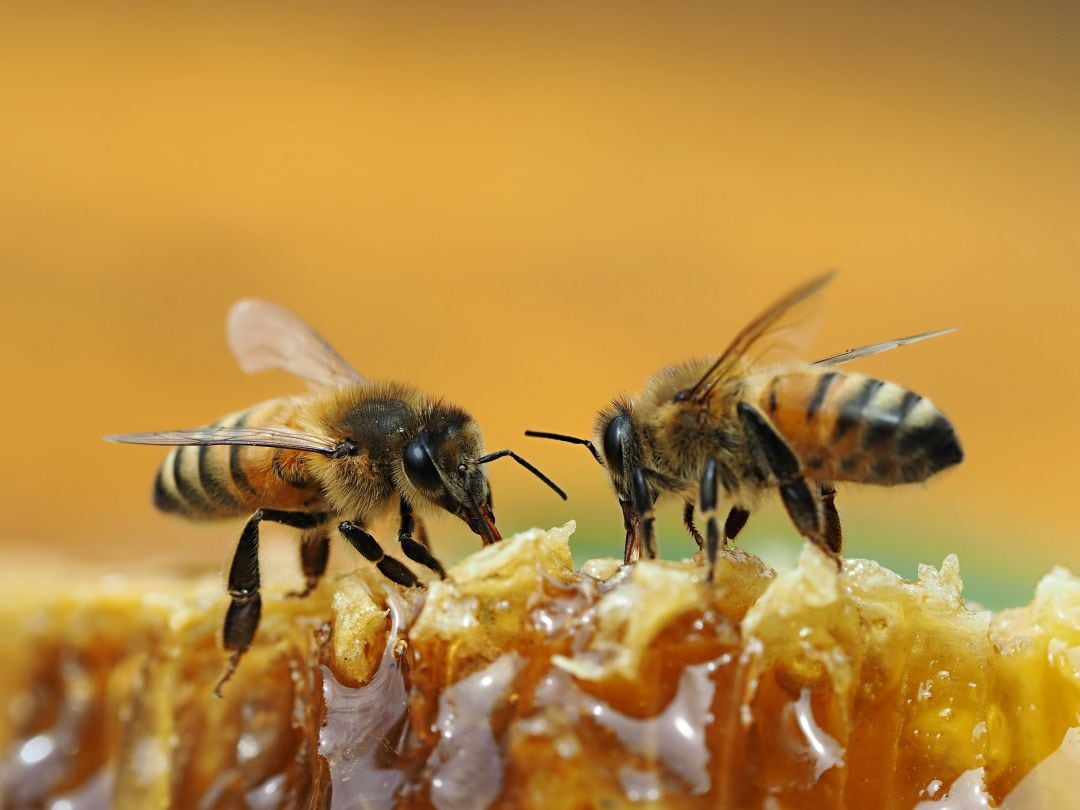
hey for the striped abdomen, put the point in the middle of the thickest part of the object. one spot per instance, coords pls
(849, 427)
(219, 481)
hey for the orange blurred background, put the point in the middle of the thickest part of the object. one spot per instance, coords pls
(529, 209)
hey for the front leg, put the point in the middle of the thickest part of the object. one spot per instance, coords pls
(367, 545)
(414, 550)
(631, 549)
(420, 532)
(643, 505)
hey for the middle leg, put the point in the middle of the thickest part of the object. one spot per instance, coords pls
(314, 556)
(707, 498)
(736, 519)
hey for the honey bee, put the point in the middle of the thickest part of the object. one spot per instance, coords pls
(338, 457)
(737, 424)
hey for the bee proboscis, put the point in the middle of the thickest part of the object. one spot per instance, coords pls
(736, 424)
(336, 458)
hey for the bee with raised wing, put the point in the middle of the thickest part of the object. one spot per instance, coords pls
(336, 458)
(741, 425)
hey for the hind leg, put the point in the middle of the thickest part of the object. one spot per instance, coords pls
(245, 608)
(804, 505)
(834, 537)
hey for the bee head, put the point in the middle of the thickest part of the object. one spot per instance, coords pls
(622, 448)
(442, 465)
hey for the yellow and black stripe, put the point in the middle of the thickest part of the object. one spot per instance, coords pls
(207, 482)
(850, 427)
(200, 482)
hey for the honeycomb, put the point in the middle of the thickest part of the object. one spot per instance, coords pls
(519, 682)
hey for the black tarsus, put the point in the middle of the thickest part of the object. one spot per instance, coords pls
(369, 547)
(736, 519)
(802, 507)
(643, 505)
(562, 437)
(314, 556)
(245, 609)
(415, 550)
(834, 537)
(707, 499)
(396, 571)
(503, 453)
(630, 516)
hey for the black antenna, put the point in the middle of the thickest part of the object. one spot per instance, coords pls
(562, 437)
(526, 465)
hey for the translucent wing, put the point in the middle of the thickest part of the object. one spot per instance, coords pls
(782, 323)
(263, 335)
(280, 437)
(876, 348)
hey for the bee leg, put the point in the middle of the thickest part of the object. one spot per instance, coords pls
(643, 505)
(242, 618)
(804, 506)
(245, 609)
(367, 545)
(418, 552)
(736, 519)
(420, 534)
(314, 555)
(688, 521)
(314, 544)
(834, 538)
(631, 549)
(707, 499)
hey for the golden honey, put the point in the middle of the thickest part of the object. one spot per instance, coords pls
(520, 682)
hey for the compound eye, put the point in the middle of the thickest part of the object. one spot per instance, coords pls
(616, 435)
(419, 466)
